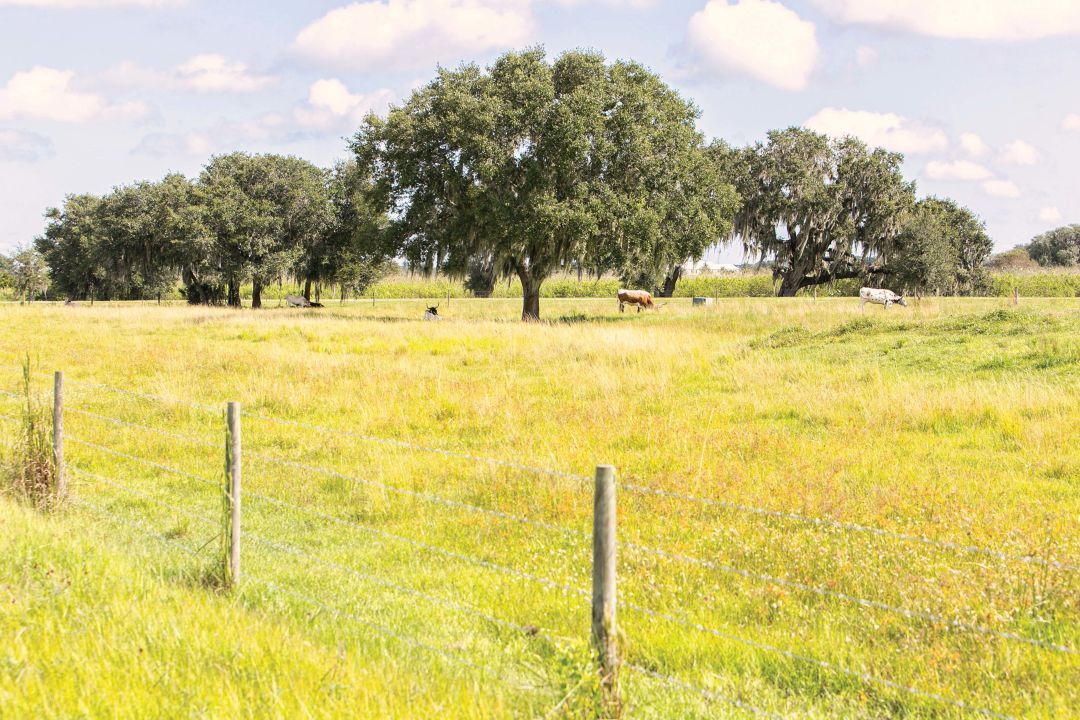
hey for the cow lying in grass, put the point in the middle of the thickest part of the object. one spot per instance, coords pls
(642, 299)
(432, 313)
(879, 296)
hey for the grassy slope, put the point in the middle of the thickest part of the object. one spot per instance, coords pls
(955, 420)
(88, 630)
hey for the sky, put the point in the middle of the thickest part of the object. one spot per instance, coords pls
(977, 94)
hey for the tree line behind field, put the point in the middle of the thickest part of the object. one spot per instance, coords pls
(522, 170)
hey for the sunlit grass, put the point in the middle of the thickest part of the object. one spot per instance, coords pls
(954, 419)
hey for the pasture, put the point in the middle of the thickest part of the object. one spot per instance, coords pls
(816, 479)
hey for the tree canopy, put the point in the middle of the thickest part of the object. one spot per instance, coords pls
(529, 167)
(522, 169)
(247, 218)
(820, 209)
(941, 247)
(1059, 247)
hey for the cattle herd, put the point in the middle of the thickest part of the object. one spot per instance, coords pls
(643, 300)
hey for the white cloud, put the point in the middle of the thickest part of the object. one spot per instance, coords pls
(973, 145)
(216, 73)
(1019, 153)
(958, 170)
(1071, 122)
(637, 4)
(1049, 214)
(756, 38)
(89, 3)
(330, 107)
(331, 104)
(46, 94)
(1001, 188)
(973, 19)
(888, 130)
(201, 73)
(399, 34)
(865, 55)
(22, 146)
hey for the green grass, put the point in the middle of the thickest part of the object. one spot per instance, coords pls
(953, 419)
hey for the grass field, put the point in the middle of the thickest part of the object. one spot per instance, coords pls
(953, 420)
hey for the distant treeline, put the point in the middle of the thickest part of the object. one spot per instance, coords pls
(527, 170)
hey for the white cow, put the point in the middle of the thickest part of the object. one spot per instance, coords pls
(879, 296)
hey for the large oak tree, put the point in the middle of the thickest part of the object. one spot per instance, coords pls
(530, 167)
(820, 210)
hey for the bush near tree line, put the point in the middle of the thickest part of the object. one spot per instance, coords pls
(524, 171)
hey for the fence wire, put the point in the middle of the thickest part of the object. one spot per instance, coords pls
(451, 605)
(426, 497)
(675, 557)
(139, 494)
(469, 559)
(380, 629)
(825, 664)
(426, 449)
(853, 599)
(144, 461)
(632, 487)
(273, 587)
(850, 526)
(156, 431)
(710, 695)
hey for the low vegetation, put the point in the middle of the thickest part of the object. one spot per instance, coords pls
(952, 420)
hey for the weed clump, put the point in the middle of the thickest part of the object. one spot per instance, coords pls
(31, 474)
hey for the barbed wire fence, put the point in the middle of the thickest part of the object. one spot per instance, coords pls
(226, 531)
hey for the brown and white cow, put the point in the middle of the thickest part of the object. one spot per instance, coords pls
(642, 299)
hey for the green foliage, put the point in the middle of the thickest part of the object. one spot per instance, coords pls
(821, 210)
(1060, 247)
(1017, 259)
(941, 248)
(530, 167)
(262, 211)
(27, 273)
(1044, 284)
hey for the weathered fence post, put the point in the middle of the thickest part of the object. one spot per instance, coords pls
(58, 434)
(1016, 295)
(604, 628)
(231, 493)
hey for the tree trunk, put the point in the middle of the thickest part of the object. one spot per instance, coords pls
(256, 293)
(307, 290)
(530, 298)
(234, 293)
(669, 282)
(790, 285)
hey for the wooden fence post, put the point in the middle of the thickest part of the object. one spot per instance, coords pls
(1016, 295)
(231, 519)
(58, 434)
(604, 627)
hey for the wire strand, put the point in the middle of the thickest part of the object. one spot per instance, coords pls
(710, 695)
(424, 448)
(125, 423)
(825, 664)
(383, 582)
(854, 599)
(850, 526)
(479, 562)
(426, 497)
(144, 461)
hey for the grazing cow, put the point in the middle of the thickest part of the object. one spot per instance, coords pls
(641, 298)
(879, 296)
(432, 313)
(299, 301)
